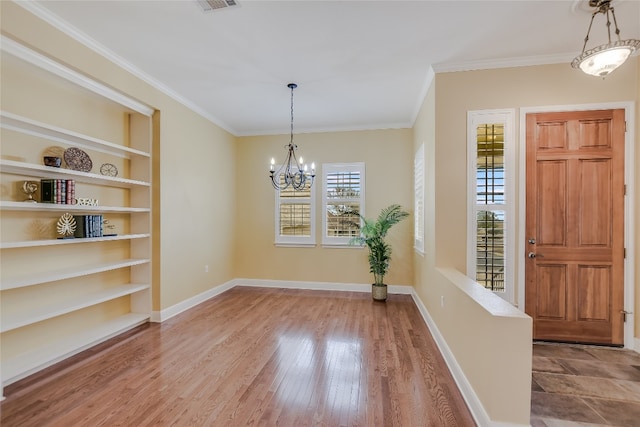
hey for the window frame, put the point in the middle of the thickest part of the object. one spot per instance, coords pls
(327, 168)
(418, 200)
(507, 118)
(296, 241)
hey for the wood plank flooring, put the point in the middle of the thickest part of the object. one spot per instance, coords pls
(255, 356)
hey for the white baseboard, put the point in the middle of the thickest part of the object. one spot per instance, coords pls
(636, 346)
(167, 313)
(475, 406)
(468, 394)
(321, 286)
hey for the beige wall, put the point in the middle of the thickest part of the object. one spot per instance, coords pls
(505, 88)
(389, 179)
(477, 326)
(194, 205)
(441, 126)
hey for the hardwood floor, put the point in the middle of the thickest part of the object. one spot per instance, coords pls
(255, 356)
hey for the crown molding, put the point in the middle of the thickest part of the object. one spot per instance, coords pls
(524, 61)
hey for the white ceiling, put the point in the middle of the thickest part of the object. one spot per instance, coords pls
(358, 64)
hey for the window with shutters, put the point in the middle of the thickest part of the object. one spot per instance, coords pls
(343, 202)
(295, 216)
(418, 200)
(491, 224)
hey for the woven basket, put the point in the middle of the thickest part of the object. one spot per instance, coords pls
(379, 292)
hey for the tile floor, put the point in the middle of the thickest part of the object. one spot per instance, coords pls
(584, 386)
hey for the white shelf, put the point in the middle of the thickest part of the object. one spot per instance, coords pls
(53, 242)
(41, 171)
(32, 127)
(32, 361)
(67, 273)
(22, 318)
(55, 207)
(18, 50)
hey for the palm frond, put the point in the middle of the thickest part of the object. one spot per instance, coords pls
(372, 235)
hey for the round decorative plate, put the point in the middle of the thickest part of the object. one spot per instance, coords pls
(109, 169)
(77, 159)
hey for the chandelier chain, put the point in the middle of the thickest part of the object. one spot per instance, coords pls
(292, 86)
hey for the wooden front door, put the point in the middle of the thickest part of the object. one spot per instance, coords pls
(574, 274)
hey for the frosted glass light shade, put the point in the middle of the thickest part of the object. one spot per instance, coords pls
(603, 59)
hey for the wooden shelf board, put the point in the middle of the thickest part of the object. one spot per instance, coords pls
(32, 361)
(67, 273)
(55, 207)
(22, 318)
(32, 127)
(41, 171)
(53, 242)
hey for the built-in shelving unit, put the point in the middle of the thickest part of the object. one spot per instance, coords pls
(60, 296)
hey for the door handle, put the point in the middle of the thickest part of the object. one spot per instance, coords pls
(534, 255)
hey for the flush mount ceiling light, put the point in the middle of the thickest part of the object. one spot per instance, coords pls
(603, 59)
(293, 172)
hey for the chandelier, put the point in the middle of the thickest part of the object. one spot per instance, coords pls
(293, 172)
(603, 59)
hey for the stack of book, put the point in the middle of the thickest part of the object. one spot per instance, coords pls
(60, 191)
(89, 226)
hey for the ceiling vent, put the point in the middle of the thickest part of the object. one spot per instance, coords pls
(211, 5)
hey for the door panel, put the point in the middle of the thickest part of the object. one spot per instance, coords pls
(574, 286)
(552, 202)
(594, 205)
(593, 293)
(552, 287)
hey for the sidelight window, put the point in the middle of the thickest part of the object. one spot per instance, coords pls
(490, 221)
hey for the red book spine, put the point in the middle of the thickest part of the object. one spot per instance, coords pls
(58, 191)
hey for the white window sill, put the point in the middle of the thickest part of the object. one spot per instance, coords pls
(343, 246)
(295, 245)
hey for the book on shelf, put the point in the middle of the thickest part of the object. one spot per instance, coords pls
(89, 226)
(58, 191)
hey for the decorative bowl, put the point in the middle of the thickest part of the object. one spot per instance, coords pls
(52, 161)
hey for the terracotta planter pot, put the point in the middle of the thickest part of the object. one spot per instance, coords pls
(379, 292)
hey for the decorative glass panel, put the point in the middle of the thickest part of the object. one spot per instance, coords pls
(490, 164)
(490, 249)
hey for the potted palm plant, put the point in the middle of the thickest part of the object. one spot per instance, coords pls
(372, 235)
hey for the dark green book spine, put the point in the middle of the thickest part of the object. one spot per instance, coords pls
(80, 224)
(47, 190)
